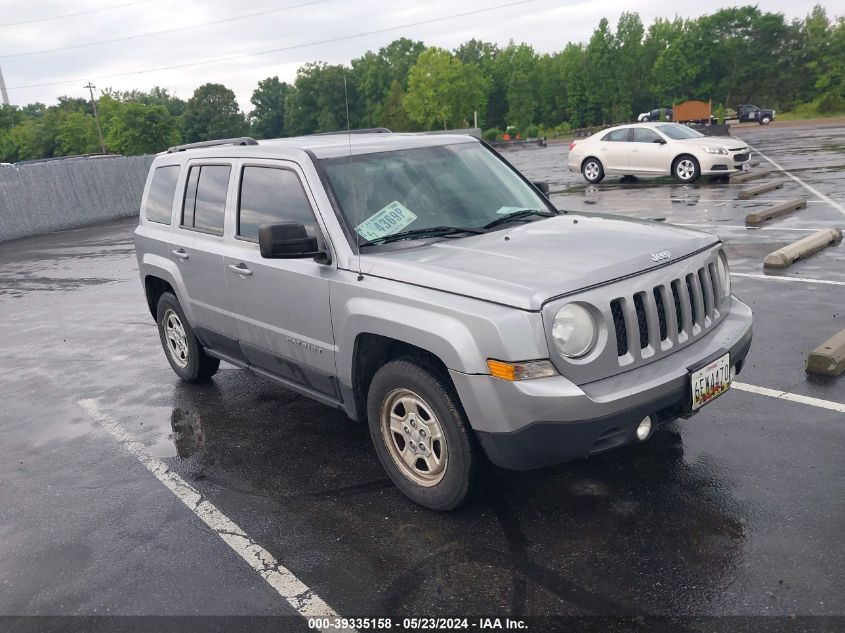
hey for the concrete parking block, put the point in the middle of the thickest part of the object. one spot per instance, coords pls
(756, 190)
(828, 359)
(748, 175)
(782, 208)
(803, 248)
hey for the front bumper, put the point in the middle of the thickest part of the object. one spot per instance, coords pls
(536, 423)
(722, 164)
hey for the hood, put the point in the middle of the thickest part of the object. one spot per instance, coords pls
(527, 264)
(725, 141)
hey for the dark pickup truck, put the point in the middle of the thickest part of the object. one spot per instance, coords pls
(763, 116)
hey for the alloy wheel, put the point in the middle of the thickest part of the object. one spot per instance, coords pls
(685, 169)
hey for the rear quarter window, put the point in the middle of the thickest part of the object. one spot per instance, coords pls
(159, 205)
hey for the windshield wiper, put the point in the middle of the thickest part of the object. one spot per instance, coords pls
(430, 231)
(523, 213)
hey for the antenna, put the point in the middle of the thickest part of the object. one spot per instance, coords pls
(352, 182)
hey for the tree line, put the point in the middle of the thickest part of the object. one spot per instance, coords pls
(732, 56)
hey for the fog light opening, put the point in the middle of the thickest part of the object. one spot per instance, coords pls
(644, 428)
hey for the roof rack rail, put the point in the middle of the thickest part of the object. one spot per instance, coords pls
(243, 140)
(366, 130)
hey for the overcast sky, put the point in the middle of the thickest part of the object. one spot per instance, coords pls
(545, 24)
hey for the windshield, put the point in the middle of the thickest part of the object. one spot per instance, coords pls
(461, 185)
(678, 132)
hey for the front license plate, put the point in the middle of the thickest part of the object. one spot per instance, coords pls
(746, 166)
(710, 382)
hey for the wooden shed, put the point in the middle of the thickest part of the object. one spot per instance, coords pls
(690, 111)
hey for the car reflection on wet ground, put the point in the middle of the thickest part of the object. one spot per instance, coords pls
(738, 510)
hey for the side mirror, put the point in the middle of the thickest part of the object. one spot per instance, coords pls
(287, 240)
(659, 141)
(543, 186)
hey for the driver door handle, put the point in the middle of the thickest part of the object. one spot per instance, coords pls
(180, 253)
(241, 269)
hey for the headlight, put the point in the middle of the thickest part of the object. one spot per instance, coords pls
(574, 330)
(724, 273)
(714, 149)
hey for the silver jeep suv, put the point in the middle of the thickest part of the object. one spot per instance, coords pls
(421, 283)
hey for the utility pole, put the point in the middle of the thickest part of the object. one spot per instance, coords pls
(91, 87)
(3, 94)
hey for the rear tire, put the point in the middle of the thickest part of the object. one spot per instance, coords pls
(181, 346)
(421, 434)
(686, 169)
(592, 170)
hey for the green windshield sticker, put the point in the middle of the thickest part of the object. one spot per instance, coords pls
(509, 210)
(391, 219)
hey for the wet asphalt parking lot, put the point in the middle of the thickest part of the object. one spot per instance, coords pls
(737, 511)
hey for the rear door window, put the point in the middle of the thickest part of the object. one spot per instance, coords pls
(616, 136)
(270, 195)
(205, 198)
(645, 135)
(159, 206)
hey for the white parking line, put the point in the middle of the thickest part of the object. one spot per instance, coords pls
(828, 282)
(809, 188)
(791, 397)
(302, 598)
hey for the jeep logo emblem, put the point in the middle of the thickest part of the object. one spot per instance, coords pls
(659, 257)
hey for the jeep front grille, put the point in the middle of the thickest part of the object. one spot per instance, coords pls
(642, 320)
(661, 314)
(650, 320)
(676, 296)
(619, 324)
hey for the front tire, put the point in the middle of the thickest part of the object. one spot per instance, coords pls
(181, 346)
(686, 169)
(765, 120)
(421, 434)
(592, 170)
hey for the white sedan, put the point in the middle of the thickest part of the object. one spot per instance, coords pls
(656, 149)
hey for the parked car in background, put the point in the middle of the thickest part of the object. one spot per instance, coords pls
(763, 116)
(656, 149)
(659, 114)
(421, 283)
